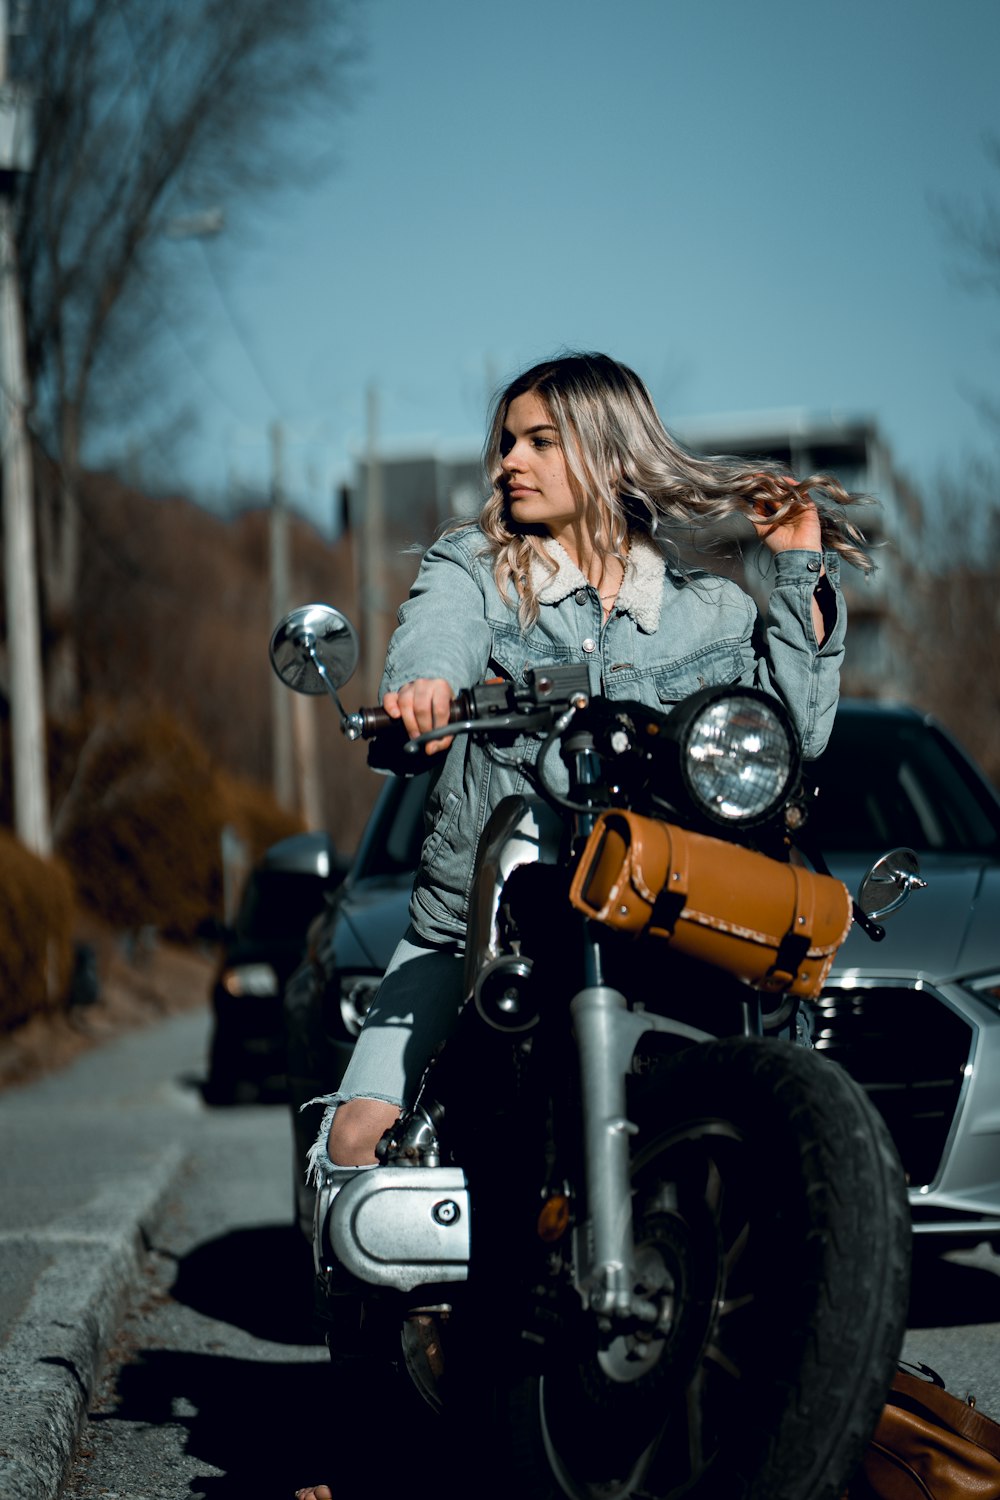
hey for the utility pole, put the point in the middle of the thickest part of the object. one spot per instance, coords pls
(283, 762)
(307, 758)
(295, 769)
(32, 822)
(372, 540)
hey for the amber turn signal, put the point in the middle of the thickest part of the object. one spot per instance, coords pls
(553, 1221)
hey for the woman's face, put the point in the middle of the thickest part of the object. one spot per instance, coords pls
(534, 476)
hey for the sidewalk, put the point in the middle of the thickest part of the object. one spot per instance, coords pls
(90, 1152)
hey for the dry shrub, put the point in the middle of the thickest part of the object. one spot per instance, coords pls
(36, 932)
(175, 598)
(256, 814)
(141, 822)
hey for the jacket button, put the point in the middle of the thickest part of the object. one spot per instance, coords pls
(813, 566)
(589, 644)
(581, 596)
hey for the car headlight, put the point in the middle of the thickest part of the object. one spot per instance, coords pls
(739, 757)
(986, 987)
(250, 979)
(357, 991)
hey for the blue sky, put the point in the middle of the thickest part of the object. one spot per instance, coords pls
(737, 199)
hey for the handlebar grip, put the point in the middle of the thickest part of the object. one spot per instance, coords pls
(374, 721)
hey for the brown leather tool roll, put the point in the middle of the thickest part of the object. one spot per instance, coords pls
(777, 926)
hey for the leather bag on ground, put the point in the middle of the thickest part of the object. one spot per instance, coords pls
(929, 1445)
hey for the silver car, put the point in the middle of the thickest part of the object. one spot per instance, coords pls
(914, 1018)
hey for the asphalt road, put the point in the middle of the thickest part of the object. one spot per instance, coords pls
(954, 1323)
(217, 1382)
(216, 1385)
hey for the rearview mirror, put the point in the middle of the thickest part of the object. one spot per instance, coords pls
(314, 649)
(889, 882)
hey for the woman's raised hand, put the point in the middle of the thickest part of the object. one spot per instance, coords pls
(800, 529)
(422, 705)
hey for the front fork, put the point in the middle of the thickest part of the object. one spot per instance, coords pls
(607, 1280)
(607, 1035)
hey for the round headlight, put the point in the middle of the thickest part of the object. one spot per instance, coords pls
(739, 758)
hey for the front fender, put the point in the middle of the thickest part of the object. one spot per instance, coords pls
(628, 1028)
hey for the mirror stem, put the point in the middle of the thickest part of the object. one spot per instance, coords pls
(306, 642)
(871, 929)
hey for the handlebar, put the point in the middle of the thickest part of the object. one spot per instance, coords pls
(550, 690)
(368, 722)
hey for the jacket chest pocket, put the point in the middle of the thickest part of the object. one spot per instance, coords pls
(717, 666)
(513, 652)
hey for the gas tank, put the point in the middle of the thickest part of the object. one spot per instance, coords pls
(523, 830)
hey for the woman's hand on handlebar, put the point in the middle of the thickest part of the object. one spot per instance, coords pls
(423, 704)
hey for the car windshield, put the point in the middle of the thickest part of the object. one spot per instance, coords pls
(391, 842)
(885, 781)
(278, 904)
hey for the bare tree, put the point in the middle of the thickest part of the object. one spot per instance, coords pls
(147, 112)
(976, 230)
(951, 638)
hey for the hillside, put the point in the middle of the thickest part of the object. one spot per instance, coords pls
(174, 612)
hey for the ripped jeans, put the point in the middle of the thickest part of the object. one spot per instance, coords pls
(417, 1004)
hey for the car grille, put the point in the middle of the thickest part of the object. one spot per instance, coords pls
(908, 1050)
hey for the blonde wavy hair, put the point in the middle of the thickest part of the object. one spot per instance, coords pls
(631, 474)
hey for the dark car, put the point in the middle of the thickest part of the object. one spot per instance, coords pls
(282, 895)
(915, 1018)
(348, 948)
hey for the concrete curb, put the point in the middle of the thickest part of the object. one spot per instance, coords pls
(50, 1364)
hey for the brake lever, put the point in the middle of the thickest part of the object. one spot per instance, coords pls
(523, 723)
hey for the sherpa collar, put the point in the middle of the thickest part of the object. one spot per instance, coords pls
(641, 593)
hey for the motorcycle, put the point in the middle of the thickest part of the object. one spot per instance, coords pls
(634, 1230)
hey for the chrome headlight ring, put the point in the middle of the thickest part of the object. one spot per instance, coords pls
(739, 756)
(356, 993)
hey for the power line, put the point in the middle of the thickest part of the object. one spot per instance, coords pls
(222, 294)
(241, 335)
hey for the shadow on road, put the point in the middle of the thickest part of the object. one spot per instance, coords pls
(270, 1424)
(273, 1426)
(258, 1279)
(947, 1294)
(266, 1425)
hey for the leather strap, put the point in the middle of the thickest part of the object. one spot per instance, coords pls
(794, 946)
(672, 899)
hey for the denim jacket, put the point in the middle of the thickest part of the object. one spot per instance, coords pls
(668, 634)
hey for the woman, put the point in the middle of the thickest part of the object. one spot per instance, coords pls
(566, 563)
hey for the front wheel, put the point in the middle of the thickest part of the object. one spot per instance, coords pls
(772, 1228)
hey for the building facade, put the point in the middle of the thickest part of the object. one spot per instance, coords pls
(419, 492)
(852, 450)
